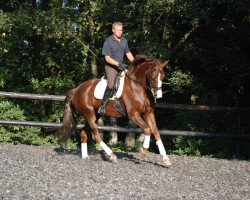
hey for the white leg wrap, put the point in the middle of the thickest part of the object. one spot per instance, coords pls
(106, 148)
(84, 150)
(146, 141)
(161, 149)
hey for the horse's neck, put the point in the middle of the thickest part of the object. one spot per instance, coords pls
(140, 74)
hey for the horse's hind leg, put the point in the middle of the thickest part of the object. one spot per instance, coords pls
(94, 128)
(84, 139)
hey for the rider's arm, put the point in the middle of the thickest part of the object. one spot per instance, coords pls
(130, 56)
(111, 60)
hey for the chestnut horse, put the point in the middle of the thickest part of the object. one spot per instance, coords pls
(143, 81)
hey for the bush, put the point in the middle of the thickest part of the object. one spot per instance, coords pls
(19, 134)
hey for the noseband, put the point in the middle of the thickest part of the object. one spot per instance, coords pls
(156, 91)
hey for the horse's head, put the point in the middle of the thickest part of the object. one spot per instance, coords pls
(149, 71)
(155, 76)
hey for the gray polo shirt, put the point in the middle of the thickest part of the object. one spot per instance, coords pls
(115, 49)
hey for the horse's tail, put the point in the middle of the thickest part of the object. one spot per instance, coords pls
(69, 125)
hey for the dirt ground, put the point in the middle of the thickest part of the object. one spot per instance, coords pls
(35, 172)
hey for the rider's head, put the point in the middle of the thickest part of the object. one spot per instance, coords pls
(117, 29)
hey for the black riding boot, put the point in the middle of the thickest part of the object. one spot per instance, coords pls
(105, 100)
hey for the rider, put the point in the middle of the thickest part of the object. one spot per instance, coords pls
(113, 50)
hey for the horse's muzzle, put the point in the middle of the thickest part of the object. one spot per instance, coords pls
(159, 88)
(159, 92)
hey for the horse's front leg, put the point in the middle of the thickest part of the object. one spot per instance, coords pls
(150, 119)
(137, 119)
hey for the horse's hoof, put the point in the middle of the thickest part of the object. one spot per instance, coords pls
(85, 157)
(143, 152)
(113, 158)
(167, 162)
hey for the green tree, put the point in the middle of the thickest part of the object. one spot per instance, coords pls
(52, 46)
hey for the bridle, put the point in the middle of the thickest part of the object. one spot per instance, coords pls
(165, 83)
(154, 90)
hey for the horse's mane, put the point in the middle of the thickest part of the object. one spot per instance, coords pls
(139, 59)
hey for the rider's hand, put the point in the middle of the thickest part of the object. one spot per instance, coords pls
(122, 66)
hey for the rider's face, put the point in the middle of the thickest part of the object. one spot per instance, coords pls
(118, 30)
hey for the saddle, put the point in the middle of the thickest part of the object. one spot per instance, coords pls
(117, 91)
(118, 87)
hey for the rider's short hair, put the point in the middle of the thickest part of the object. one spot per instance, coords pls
(116, 24)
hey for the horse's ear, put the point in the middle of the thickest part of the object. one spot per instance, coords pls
(164, 63)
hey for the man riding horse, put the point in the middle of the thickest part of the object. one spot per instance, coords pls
(114, 48)
(143, 81)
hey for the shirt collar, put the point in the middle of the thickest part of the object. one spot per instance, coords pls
(113, 37)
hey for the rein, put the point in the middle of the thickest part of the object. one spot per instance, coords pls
(126, 73)
(146, 87)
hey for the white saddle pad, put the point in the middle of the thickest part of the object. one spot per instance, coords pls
(101, 86)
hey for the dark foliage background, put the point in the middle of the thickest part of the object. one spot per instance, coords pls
(51, 46)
